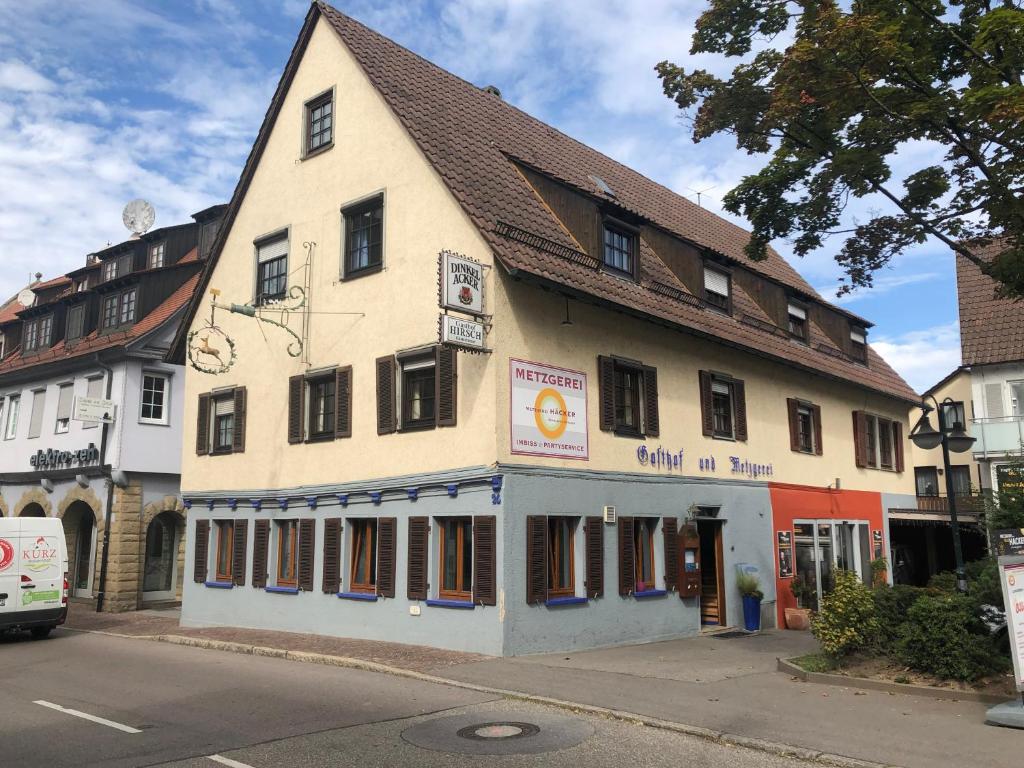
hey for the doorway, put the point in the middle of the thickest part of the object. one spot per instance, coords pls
(160, 565)
(80, 533)
(822, 547)
(712, 574)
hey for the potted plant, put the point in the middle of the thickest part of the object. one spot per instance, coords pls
(750, 588)
(799, 618)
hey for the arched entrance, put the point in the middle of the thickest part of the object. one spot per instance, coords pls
(32, 510)
(80, 532)
(160, 565)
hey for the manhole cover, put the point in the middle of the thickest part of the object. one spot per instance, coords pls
(474, 735)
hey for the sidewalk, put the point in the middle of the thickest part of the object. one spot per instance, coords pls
(725, 684)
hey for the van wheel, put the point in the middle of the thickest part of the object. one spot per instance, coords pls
(41, 633)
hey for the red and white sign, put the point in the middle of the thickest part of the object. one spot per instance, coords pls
(1013, 599)
(548, 411)
(6, 554)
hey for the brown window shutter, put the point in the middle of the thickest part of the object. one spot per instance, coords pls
(792, 408)
(651, 423)
(260, 544)
(670, 533)
(419, 528)
(386, 528)
(739, 406)
(447, 386)
(332, 555)
(238, 437)
(239, 542)
(203, 425)
(594, 533)
(606, 392)
(296, 398)
(897, 445)
(707, 414)
(627, 567)
(860, 438)
(536, 559)
(307, 546)
(386, 422)
(343, 402)
(202, 551)
(485, 560)
(816, 415)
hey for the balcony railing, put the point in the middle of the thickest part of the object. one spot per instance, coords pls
(972, 503)
(998, 436)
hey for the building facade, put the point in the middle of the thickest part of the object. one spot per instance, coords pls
(490, 390)
(100, 333)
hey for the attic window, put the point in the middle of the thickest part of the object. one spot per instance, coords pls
(797, 321)
(109, 270)
(619, 250)
(716, 288)
(320, 123)
(601, 185)
(858, 344)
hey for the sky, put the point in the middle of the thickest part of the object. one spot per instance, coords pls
(105, 101)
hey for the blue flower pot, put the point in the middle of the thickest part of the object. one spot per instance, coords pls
(751, 613)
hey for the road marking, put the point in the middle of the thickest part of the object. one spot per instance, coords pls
(87, 716)
(227, 761)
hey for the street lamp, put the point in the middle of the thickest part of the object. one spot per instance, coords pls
(951, 437)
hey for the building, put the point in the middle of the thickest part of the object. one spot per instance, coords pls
(624, 409)
(102, 332)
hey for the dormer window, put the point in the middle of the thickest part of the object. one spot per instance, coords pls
(37, 334)
(716, 288)
(82, 285)
(109, 270)
(119, 309)
(797, 321)
(156, 255)
(859, 345)
(76, 322)
(619, 250)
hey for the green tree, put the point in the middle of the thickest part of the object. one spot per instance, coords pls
(1006, 508)
(855, 85)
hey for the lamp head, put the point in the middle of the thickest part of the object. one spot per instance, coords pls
(924, 435)
(958, 440)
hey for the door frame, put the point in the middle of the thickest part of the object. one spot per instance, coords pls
(153, 596)
(718, 525)
(86, 591)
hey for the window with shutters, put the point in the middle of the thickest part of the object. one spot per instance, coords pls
(717, 288)
(804, 426)
(561, 556)
(156, 255)
(878, 442)
(797, 321)
(320, 399)
(220, 422)
(364, 237)
(287, 553)
(859, 344)
(629, 397)
(455, 558)
(155, 408)
(320, 405)
(11, 417)
(319, 123)
(643, 552)
(271, 268)
(76, 323)
(722, 408)
(225, 532)
(418, 393)
(620, 249)
(885, 443)
(64, 397)
(362, 555)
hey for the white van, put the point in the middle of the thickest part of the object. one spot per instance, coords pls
(33, 574)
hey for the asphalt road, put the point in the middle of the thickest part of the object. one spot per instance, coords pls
(139, 703)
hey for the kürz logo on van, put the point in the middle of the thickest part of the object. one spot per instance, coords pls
(6, 554)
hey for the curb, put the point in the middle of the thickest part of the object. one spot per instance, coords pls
(719, 737)
(884, 685)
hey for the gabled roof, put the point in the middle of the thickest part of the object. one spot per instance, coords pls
(991, 329)
(474, 140)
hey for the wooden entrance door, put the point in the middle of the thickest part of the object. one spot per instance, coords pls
(712, 593)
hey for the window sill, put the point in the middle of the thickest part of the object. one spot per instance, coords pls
(283, 590)
(367, 597)
(364, 272)
(467, 605)
(320, 438)
(318, 151)
(552, 602)
(629, 433)
(728, 438)
(219, 584)
(418, 427)
(650, 593)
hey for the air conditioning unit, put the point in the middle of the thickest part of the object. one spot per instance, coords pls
(609, 515)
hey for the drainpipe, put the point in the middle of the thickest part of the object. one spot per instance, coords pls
(101, 592)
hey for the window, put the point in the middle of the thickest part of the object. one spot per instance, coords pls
(364, 234)
(319, 123)
(643, 552)
(119, 309)
(35, 422)
(94, 388)
(127, 302)
(76, 322)
(456, 558)
(363, 571)
(926, 480)
(31, 334)
(885, 443)
(872, 433)
(716, 288)
(953, 413)
(879, 442)
(805, 428)
(156, 255)
(38, 333)
(721, 406)
(627, 399)
(418, 393)
(11, 424)
(154, 399)
(1016, 396)
(797, 321)
(223, 423)
(859, 344)
(287, 550)
(220, 421)
(64, 397)
(961, 475)
(561, 556)
(619, 250)
(271, 269)
(110, 312)
(82, 285)
(321, 408)
(109, 269)
(225, 532)
(124, 265)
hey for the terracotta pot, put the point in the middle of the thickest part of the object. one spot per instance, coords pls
(798, 618)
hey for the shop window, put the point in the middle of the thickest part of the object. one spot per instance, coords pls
(287, 553)
(456, 558)
(643, 552)
(364, 237)
(271, 269)
(561, 556)
(225, 533)
(363, 565)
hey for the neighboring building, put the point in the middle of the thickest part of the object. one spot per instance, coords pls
(649, 399)
(102, 331)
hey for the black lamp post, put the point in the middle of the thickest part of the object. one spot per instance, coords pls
(951, 438)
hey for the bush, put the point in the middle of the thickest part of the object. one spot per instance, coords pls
(944, 636)
(846, 621)
(892, 604)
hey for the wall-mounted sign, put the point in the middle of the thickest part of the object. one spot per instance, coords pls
(785, 547)
(660, 458)
(548, 411)
(750, 469)
(94, 409)
(1009, 541)
(1011, 572)
(462, 283)
(876, 541)
(1010, 479)
(51, 459)
(460, 332)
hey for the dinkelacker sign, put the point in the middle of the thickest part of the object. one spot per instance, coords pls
(52, 459)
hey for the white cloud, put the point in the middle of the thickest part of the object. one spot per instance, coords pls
(883, 284)
(17, 76)
(922, 357)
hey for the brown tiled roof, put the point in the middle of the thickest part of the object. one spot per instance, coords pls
(991, 329)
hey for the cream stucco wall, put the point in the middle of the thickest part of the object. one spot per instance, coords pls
(371, 153)
(528, 325)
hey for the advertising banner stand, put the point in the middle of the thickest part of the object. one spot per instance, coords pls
(1011, 577)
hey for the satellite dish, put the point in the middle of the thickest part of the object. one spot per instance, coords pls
(138, 216)
(27, 298)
